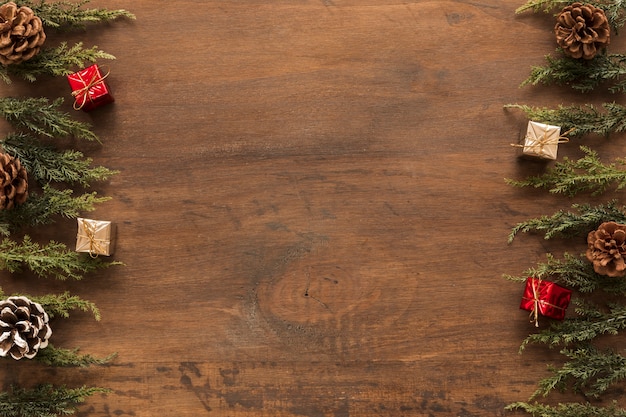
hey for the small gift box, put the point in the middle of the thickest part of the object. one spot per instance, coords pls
(95, 237)
(542, 141)
(545, 298)
(89, 89)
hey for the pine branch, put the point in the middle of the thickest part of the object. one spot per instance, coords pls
(52, 260)
(590, 324)
(42, 208)
(69, 15)
(44, 400)
(587, 370)
(61, 305)
(582, 75)
(53, 356)
(44, 118)
(580, 120)
(573, 272)
(46, 164)
(545, 6)
(568, 410)
(572, 177)
(615, 10)
(54, 62)
(567, 224)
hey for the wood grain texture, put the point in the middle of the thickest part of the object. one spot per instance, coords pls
(311, 210)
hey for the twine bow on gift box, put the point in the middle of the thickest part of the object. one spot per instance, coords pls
(89, 231)
(538, 143)
(95, 80)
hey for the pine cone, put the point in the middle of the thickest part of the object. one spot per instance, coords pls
(24, 328)
(13, 182)
(582, 30)
(21, 34)
(607, 249)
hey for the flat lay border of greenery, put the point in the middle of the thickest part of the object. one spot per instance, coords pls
(58, 178)
(587, 369)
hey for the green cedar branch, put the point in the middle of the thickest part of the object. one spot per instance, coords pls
(590, 323)
(53, 356)
(54, 62)
(42, 208)
(567, 410)
(615, 10)
(44, 400)
(44, 118)
(567, 224)
(46, 164)
(51, 260)
(579, 119)
(570, 177)
(71, 15)
(574, 272)
(60, 305)
(581, 75)
(587, 370)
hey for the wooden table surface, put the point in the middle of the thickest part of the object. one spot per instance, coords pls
(311, 209)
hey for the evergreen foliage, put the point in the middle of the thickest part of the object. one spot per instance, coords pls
(51, 260)
(568, 410)
(587, 174)
(53, 62)
(615, 10)
(44, 400)
(60, 305)
(587, 370)
(582, 75)
(42, 208)
(45, 118)
(574, 272)
(71, 15)
(53, 356)
(567, 224)
(46, 164)
(590, 323)
(38, 122)
(579, 119)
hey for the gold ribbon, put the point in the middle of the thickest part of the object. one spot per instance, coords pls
(543, 141)
(534, 313)
(90, 234)
(97, 78)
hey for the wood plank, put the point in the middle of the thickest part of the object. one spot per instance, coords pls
(311, 210)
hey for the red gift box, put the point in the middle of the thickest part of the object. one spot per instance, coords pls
(545, 298)
(89, 89)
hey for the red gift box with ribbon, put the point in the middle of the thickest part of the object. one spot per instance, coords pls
(89, 89)
(545, 298)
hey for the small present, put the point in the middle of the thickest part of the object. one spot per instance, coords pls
(89, 89)
(542, 141)
(95, 237)
(545, 298)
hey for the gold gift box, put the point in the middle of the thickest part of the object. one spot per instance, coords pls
(95, 237)
(542, 140)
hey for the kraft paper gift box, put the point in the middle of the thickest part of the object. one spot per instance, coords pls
(542, 141)
(95, 237)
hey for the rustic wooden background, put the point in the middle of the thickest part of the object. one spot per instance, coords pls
(311, 209)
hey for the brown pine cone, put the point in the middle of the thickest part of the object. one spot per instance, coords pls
(13, 182)
(582, 30)
(24, 328)
(606, 248)
(21, 34)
